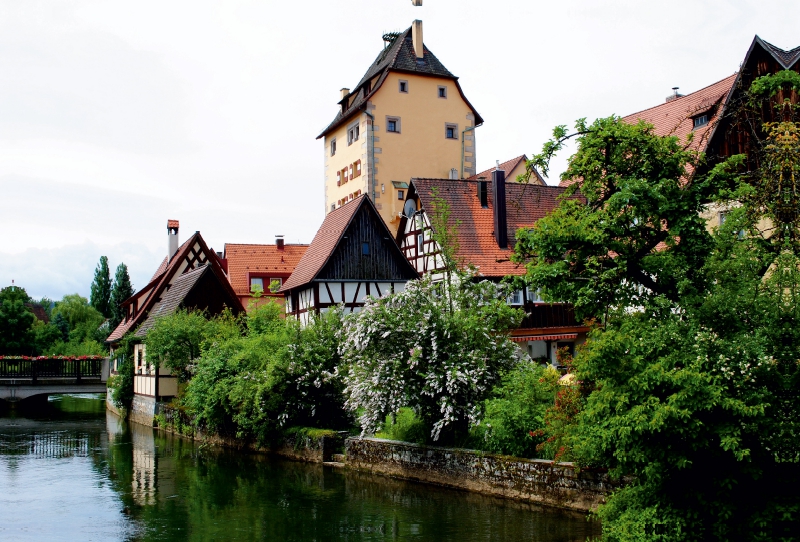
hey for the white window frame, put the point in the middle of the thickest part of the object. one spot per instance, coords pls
(353, 133)
(515, 299)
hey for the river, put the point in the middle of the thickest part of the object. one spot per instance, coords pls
(70, 470)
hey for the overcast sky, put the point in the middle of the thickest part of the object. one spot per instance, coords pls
(115, 116)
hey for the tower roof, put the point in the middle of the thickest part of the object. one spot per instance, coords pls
(397, 56)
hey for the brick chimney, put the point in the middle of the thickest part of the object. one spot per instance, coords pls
(172, 238)
(416, 38)
(499, 197)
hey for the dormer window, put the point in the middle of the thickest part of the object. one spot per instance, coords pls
(700, 120)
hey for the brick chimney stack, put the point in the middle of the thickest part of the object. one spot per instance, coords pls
(416, 38)
(172, 238)
(499, 197)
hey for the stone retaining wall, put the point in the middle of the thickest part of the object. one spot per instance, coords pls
(531, 480)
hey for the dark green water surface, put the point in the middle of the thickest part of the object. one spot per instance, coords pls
(71, 471)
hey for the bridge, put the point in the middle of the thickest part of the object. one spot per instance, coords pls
(24, 378)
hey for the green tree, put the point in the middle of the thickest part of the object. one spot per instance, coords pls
(121, 290)
(16, 322)
(101, 288)
(692, 387)
(85, 332)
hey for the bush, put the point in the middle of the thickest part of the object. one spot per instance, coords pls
(515, 414)
(405, 427)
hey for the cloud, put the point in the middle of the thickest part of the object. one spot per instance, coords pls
(56, 272)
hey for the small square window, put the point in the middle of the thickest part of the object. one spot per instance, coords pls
(365, 248)
(333, 147)
(451, 131)
(256, 284)
(403, 86)
(393, 125)
(443, 92)
(401, 195)
(352, 134)
(515, 298)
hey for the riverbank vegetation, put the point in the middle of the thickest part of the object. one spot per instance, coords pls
(692, 384)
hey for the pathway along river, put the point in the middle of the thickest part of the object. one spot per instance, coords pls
(69, 470)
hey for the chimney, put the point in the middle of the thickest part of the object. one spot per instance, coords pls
(172, 238)
(416, 2)
(343, 93)
(416, 38)
(499, 197)
(674, 95)
(279, 241)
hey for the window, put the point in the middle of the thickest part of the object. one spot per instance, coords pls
(515, 298)
(722, 217)
(451, 131)
(352, 134)
(383, 188)
(420, 240)
(256, 284)
(401, 195)
(403, 86)
(701, 120)
(534, 296)
(333, 206)
(443, 92)
(393, 124)
(365, 248)
(333, 147)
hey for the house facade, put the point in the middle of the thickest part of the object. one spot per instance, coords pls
(485, 216)
(407, 117)
(353, 255)
(259, 268)
(191, 276)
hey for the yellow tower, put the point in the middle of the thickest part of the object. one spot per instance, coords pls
(407, 117)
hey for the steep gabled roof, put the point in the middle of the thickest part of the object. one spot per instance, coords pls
(173, 298)
(161, 282)
(248, 258)
(398, 56)
(787, 59)
(507, 167)
(323, 244)
(474, 225)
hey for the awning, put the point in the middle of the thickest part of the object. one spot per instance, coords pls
(398, 184)
(562, 337)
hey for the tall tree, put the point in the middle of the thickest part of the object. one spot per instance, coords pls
(120, 291)
(101, 288)
(16, 322)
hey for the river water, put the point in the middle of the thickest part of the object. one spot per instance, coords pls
(70, 470)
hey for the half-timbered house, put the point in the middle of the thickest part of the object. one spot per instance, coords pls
(191, 276)
(352, 256)
(485, 216)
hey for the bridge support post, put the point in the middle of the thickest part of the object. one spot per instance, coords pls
(78, 364)
(34, 365)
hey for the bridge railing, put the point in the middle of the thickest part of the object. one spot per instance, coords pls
(25, 368)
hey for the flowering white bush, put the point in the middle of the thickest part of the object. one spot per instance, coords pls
(436, 348)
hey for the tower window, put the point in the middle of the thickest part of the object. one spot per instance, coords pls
(393, 125)
(451, 131)
(352, 134)
(333, 147)
(442, 92)
(403, 86)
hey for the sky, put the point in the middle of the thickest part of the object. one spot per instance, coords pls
(116, 116)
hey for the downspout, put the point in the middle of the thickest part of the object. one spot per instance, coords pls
(467, 129)
(371, 151)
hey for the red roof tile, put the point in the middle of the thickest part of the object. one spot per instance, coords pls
(173, 224)
(676, 117)
(508, 167)
(324, 243)
(248, 258)
(526, 203)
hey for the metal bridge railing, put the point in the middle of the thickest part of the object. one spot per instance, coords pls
(34, 369)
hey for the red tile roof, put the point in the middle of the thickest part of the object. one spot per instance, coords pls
(324, 243)
(508, 167)
(676, 117)
(248, 258)
(172, 224)
(525, 203)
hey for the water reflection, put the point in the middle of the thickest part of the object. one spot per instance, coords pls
(125, 482)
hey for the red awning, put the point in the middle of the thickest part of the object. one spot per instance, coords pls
(562, 337)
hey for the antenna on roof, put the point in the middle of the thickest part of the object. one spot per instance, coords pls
(675, 95)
